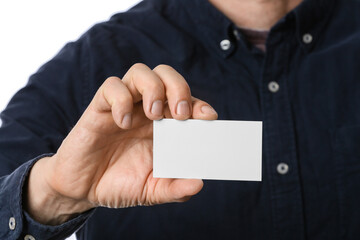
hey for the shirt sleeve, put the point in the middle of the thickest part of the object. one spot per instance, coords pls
(35, 122)
(15, 223)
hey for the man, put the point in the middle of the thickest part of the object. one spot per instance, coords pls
(197, 57)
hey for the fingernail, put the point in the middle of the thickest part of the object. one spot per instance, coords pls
(208, 110)
(183, 108)
(126, 122)
(157, 108)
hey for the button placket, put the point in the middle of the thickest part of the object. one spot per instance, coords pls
(279, 139)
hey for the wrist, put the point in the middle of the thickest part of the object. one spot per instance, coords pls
(43, 203)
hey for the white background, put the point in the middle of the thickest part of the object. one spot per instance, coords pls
(32, 32)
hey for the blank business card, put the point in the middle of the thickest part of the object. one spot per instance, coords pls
(221, 150)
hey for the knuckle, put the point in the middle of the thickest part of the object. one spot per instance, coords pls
(110, 81)
(137, 72)
(163, 67)
(138, 67)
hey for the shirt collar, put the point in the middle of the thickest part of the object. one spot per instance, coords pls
(211, 27)
(311, 18)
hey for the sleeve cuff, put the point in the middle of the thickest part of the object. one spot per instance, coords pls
(15, 223)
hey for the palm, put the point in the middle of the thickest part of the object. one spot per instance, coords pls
(130, 162)
(129, 171)
(117, 168)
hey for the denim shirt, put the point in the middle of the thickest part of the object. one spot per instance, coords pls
(305, 89)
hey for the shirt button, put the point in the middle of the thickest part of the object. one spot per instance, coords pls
(225, 44)
(307, 38)
(12, 223)
(273, 87)
(29, 237)
(282, 168)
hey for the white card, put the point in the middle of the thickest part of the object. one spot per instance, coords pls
(222, 150)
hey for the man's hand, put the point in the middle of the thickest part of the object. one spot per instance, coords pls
(106, 160)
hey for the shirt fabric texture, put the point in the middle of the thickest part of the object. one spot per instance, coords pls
(305, 89)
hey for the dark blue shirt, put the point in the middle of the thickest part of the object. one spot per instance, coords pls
(305, 89)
